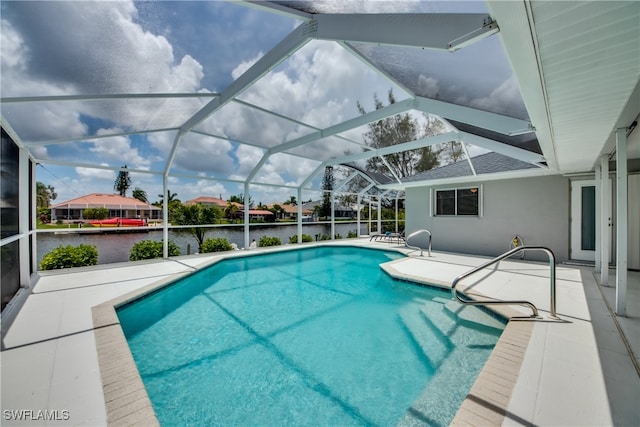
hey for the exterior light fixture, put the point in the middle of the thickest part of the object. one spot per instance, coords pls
(489, 27)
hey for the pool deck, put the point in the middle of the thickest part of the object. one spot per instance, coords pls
(577, 370)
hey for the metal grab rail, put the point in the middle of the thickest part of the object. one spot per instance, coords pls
(552, 275)
(416, 233)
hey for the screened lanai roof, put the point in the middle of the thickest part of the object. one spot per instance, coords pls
(211, 95)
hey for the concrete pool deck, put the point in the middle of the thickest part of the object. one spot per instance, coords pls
(573, 371)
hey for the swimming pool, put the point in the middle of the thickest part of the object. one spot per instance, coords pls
(317, 336)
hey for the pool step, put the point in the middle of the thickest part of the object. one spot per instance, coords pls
(429, 330)
(471, 317)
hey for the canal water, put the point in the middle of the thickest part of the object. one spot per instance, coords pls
(115, 247)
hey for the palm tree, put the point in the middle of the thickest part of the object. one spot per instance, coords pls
(140, 194)
(171, 197)
(197, 215)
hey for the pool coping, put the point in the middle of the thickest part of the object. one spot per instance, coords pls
(127, 401)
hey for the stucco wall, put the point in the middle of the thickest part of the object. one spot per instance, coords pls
(537, 209)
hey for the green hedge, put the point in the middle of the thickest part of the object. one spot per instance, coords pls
(269, 241)
(69, 256)
(149, 249)
(218, 244)
(305, 238)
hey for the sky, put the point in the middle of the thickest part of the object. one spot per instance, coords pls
(199, 47)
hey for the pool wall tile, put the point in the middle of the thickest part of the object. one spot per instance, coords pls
(487, 401)
(126, 399)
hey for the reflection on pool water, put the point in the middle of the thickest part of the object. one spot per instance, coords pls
(318, 336)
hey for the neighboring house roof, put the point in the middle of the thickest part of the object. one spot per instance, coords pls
(259, 212)
(108, 201)
(310, 206)
(293, 209)
(483, 164)
(205, 200)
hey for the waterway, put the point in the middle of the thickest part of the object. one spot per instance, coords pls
(115, 247)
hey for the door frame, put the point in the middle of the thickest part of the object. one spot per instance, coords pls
(575, 243)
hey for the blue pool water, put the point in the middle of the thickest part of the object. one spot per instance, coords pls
(317, 336)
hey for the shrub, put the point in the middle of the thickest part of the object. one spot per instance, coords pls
(69, 256)
(269, 241)
(324, 237)
(305, 238)
(352, 235)
(149, 249)
(218, 244)
(338, 236)
(95, 213)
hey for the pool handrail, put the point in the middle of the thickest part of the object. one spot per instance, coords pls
(415, 233)
(552, 279)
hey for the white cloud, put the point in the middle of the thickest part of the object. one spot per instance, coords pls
(113, 55)
(428, 86)
(503, 99)
(87, 175)
(248, 157)
(13, 52)
(205, 187)
(117, 150)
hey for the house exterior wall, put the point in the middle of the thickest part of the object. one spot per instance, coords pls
(536, 209)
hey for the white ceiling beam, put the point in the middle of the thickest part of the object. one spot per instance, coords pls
(419, 143)
(99, 97)
(275, 8)
(365, 60)
(522, 53)
(226, 138)
(499, 147)
(389, 110)
(94, 166)
(172, 153)
(272, 113)
(312, 175)
(287, 47)
(95, 137)
(433, 31)
(472, 179)
(495, 122)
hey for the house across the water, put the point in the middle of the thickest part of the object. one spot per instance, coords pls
(118, 206)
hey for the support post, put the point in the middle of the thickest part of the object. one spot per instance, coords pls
(333, 215)
(397, 195)
(23, 216)
(599, 234)
(379, 215)
(358, 203)
(621, 222)
(605, 202)
(299, 215)
(246, 215)
(165, 217)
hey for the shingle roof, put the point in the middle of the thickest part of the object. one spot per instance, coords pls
(378, 177)
(206, 200)
(483, 164)
(109, 201)
(292, 209)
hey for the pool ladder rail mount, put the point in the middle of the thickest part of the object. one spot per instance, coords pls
(416, 248)
(552, 279)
